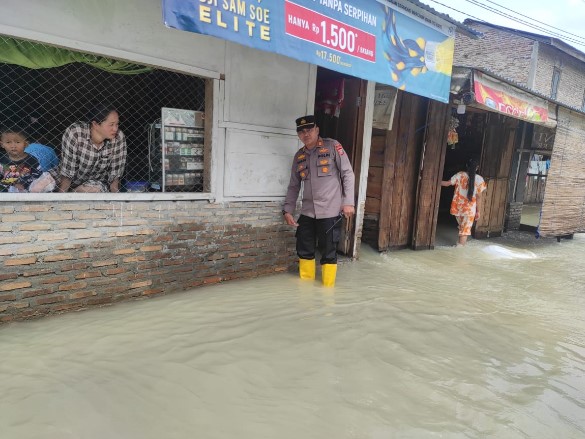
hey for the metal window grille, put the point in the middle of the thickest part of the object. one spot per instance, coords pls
(44, 102)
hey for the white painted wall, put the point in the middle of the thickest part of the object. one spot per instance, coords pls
(265, 93)
(254, 137)
(131, 28)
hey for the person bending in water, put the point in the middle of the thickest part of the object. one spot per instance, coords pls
(465, 203)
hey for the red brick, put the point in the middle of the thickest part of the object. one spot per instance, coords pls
(49, 299)
(151, 248)
(68, 306)
(75, 267)
(19, 305)
(20, 261)
(134, 259)
(72, 286)
(41, 272)
(145, 283)
(7, 297)
(88, 275)
(55, 280)
(212, 280)
(104, 263)
(38, 292)
(14, 285)
(113, 271)
(82, 294)
(6, 276)
(152, 291)
(59, 257)
(124, 251)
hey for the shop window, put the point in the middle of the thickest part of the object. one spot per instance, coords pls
(43, 102)
(556, 78)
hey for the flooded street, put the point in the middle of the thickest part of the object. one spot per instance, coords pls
(475, 342)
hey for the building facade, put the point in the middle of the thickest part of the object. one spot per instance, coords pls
(555, 71)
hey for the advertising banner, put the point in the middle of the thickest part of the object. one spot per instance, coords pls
(388, 42)
(504, 98)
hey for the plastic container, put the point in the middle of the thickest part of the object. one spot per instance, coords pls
(136, 186)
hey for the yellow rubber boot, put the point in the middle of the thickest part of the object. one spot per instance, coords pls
(328, 273)
(307, 269)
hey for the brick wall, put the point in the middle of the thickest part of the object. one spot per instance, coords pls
(73, 255)
(572, 81)
(501, 52)
(509, 55)
(513, 216)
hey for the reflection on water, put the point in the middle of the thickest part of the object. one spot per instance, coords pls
(450, 343)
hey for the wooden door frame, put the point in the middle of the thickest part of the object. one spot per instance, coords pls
(506, 150)
(349, 243)
(430, 176)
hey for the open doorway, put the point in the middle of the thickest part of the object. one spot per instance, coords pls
(465, 142)
(538, 166)
(339, 113)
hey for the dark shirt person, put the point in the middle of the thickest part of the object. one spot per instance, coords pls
(322, 166)
(18, 169)
(93, 154)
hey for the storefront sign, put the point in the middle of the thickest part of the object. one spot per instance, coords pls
(392, 43)
(504, 98)
(384, 105)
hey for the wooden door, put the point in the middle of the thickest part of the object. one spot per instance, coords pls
(403, 148)
(495, 166)
(430, 175)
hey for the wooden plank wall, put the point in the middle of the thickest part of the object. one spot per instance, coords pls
(375, 173)
(402, 153)
(534, 191)
(563, 208)
(496, 162)
(370, 226)
(429, 191)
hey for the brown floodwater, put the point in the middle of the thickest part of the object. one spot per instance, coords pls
(485, 341)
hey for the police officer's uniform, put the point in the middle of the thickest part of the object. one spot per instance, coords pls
(328, 184)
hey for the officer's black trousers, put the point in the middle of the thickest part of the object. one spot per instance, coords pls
(323, 231)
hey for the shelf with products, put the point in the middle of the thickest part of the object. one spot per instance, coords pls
(183, 138)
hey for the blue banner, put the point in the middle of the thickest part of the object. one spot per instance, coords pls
(390, 43)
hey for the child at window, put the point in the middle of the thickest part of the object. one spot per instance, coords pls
(18, 169)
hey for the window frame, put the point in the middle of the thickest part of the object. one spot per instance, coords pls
(211, 154)
(555, 81)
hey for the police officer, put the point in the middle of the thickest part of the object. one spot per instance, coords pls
(322, 166)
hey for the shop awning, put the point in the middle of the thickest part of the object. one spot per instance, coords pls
(492, 93)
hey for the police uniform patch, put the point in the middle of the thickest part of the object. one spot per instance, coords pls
(322, 150)
(325, 169)
(339, 149)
